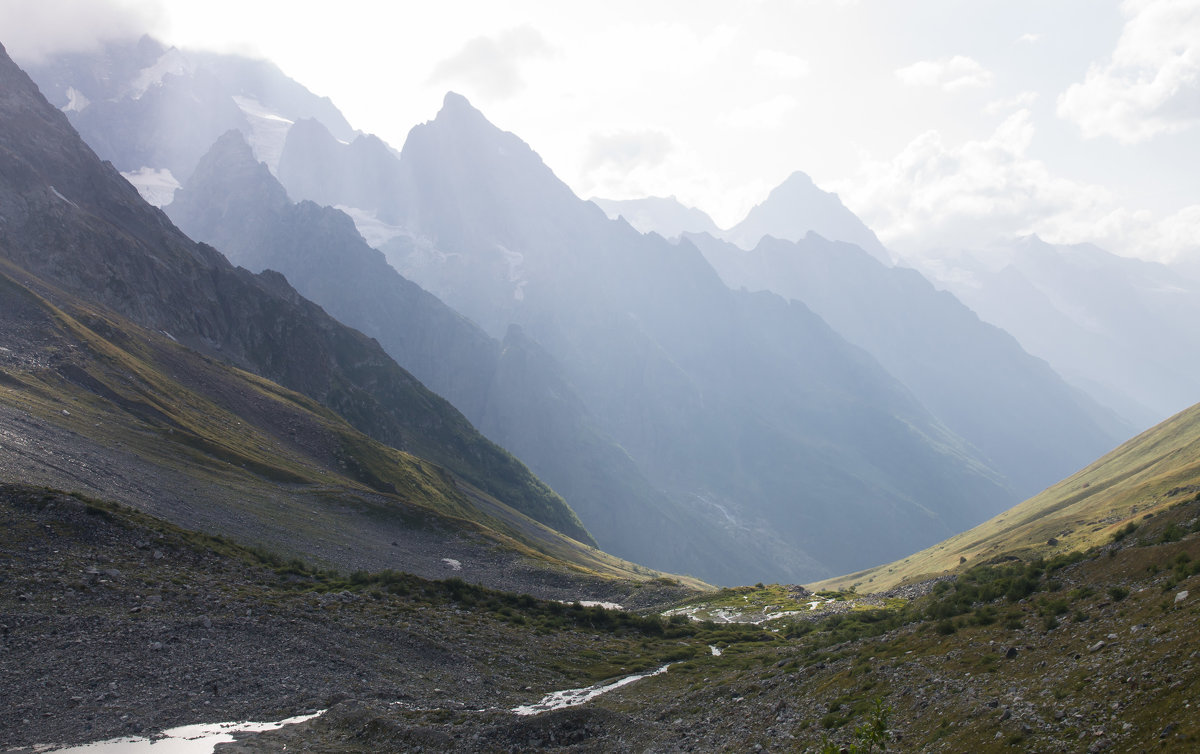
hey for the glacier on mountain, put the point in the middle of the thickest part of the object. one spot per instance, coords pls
(157, 186)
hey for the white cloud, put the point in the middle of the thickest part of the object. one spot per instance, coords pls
(765, 115)
(1151, 84)
(1021, 101)
(1028, 38)
(50, 27)
(933, 196)
(1175, 237)
(949, 74)
(781, 64)
(626, 150)
(633, 163)
(629, 164)
(491, 64)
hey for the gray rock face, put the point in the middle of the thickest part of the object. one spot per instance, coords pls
(234, 203)
(316, 166)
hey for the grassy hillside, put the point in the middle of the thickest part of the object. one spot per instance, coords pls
(77, 225)
(1132, 483)
(1084, 652)
(92, 402)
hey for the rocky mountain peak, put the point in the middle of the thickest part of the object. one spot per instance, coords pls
(797, 207)
(231, 162)
(463, 169)
(455, 105)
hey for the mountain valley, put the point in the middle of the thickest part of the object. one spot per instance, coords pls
(416, 450)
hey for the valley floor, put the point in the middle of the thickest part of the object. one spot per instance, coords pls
(115, 624)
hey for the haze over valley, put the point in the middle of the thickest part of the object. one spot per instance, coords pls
(419, 424)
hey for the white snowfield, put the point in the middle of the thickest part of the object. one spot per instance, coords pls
(186, 739)
(172, 62)
(268, 130)
(373, 230)
(156, 186)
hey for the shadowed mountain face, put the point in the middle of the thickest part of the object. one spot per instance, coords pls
(233, 202)
(1121, 329)
(76, 224)
(1028, 424)
(316, 166)
(511, 389)
(727, 418)
(748, 409)
(738, 405)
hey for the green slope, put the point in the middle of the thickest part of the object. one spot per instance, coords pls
(76, 224)
(106, 407)
(1149, 473)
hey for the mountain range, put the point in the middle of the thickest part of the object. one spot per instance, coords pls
(1107, 324)
(692, 427)
(798, 207)
(1020, 415)
(1119, 328)
(666, 216)
(791, 211)
(153, 110)
(656, 345)
(141, 363)
(223, 503)
(508, 387)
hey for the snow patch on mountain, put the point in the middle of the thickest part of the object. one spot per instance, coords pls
(65, 199)
(157, 186)
(516, 271)
(268, 130)
(170, 63)
(374, 231)
(77, 102)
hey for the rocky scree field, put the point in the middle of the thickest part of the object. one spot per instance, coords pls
(116, 623)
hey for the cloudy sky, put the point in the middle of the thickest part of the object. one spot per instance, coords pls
(943, 123)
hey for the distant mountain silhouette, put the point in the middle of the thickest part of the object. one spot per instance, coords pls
(1121, 329)
(1012, 407)
(798, 207)
(736, 430)
(665, 216)
(511, 389)
(748, 409)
